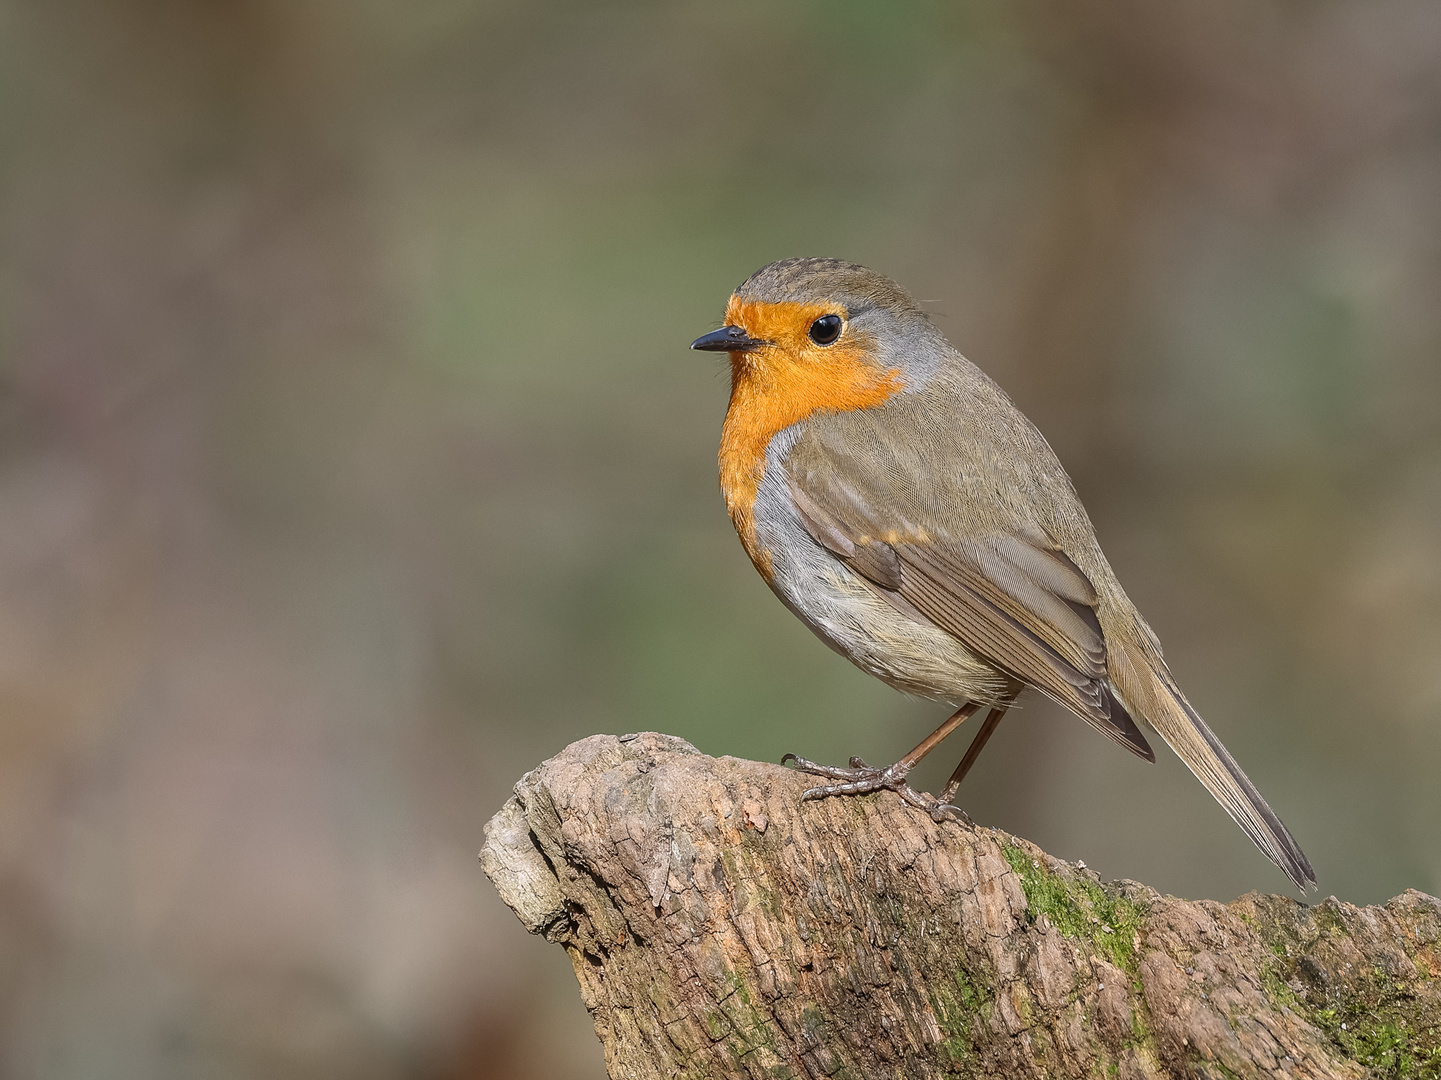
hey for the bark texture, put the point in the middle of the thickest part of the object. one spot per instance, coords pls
(721, 928)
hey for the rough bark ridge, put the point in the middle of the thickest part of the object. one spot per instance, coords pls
(721, 928)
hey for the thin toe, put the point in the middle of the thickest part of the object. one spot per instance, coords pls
(830, 772)
(855, 787)
(941, 812)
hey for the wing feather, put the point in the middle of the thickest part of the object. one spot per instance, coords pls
(991, 594)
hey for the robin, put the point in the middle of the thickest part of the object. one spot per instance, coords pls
(896, 500)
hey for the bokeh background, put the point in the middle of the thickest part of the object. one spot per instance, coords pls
(352, 461)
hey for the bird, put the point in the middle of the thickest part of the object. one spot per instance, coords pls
(897, 502)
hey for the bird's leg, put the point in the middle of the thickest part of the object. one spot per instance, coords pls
(944, 809)
(861, 778)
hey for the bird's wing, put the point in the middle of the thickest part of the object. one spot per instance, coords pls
(1011, 597)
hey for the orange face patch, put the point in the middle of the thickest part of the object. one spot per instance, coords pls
(781, 384)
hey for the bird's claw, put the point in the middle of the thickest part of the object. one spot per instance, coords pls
(859, 779)
(854, 774)
(862, 779)
(942, 812)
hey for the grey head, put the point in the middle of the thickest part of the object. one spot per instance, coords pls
(810, 281)
(876, 310)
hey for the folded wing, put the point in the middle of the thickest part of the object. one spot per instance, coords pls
(1015, 600)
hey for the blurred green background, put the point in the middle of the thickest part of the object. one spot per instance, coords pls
(352, 461)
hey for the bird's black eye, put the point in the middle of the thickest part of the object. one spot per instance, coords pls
(825, 329)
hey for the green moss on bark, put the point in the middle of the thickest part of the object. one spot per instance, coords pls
(1379, 1028)
(1374, 1019)
(1080, 908)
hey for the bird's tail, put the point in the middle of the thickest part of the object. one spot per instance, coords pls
(1146, 687)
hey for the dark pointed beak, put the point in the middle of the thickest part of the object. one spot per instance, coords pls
(727, 339)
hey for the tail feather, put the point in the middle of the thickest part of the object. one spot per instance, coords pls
(1153, 695)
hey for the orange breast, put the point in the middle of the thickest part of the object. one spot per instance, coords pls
(780, 385)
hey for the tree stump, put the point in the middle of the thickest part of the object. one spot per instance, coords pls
(719, 927)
